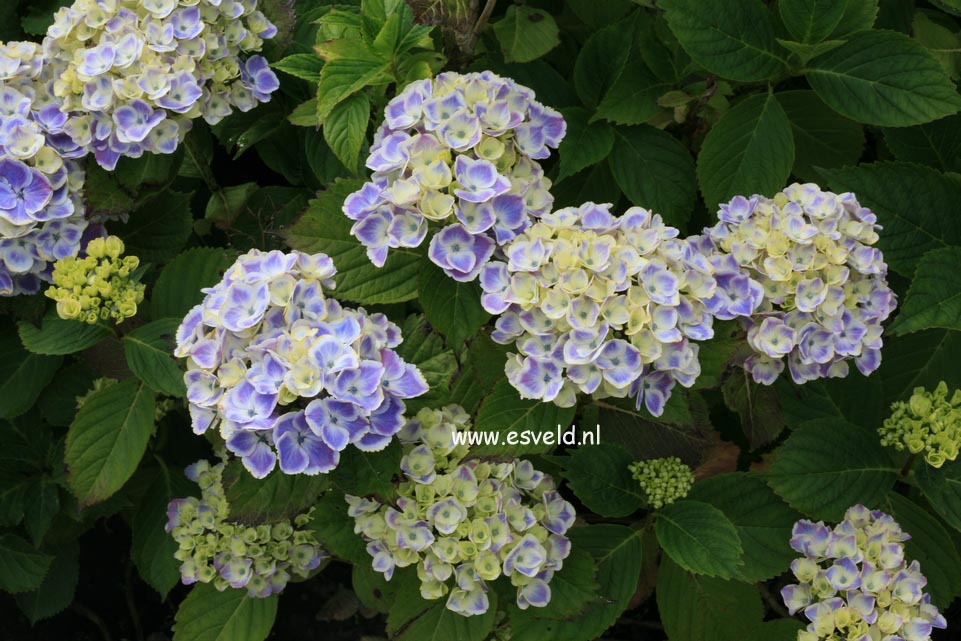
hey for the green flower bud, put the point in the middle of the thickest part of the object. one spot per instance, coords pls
(663, 480)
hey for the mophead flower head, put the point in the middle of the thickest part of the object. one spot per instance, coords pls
(213, 548)
(464, 523)
(99, 286)
(458, 152)
(607, 306)
(855, 581)
(289, 375)
(928, 423)
(824, 284)
(663, 480)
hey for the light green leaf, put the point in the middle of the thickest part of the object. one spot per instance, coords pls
(57, 589)
(452, 308)
(178, 287)
(346, 128)
(811, 20)
(22, 568)
(304, 114)
(344, 77)
(57, 336)
(732, 39)
(916, 208)
(306, 66)
(534, 423)
(883, 78)
(763, 521)
(934, 298)
(699, 538)
(936, 143)
(586, 143)
(231, 615)
(599, 476)
(822, 137)
(108, 438)
(655, 171)
(325, 228)
(22, 375)
(526, 33)
(149, 353)
(749, 151)
(828, 465)
(700, 608)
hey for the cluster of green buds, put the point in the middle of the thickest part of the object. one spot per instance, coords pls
(928, 422)
(663, 480)
(466, 522)
(99, 286)
(215, 550)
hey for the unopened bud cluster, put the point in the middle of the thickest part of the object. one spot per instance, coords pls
(663, 480)
(928, 423)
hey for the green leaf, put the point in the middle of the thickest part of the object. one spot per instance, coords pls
(822, 137)
(22, 568)
(936, 143)
(108, 438)
(699, 608)
(306, 66)
(38, 15)
(368, 473)
(828, 465)
(274, 498)
(334, 530)
(732, 39)
(930, 545)
(346, 128)
(425, 348)
(22, 375)
(325, 228)
(883, 78)
(601, 61)
(150, 170)
(437, 623)
(811, 20)
(57, 336)
(859, 15)
(573, 588)
(304, 114)
(757, 405)
(159, 228)
(632, 97)
(699, 538)
(921, 359)
(231, 615)
(749, 151)
(535, 423)
(835, 398)
(655, 171)
(452, 308)
(586, 143)
(149, 353)
(934, 298)
(344, 77)
(151, 548)
(915, 205)
(57, 589)
(178, 287)
(598, 475)
(526, 33)
(807, 51)
(763, 521)
(942, 487)
(41, 505)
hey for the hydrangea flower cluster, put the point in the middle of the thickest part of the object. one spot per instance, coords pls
(286, 372)
(608, 306)
(854, 582)
(928, 422)
(99, 286)
(41, 207)
(825, 288)
(132, 74)
(466, 522)
(461, 151)
(663, 480)
(212, 549)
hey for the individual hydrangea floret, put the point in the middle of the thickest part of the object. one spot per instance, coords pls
(663, 480)
(288, 374)
(825, 287)
(132, 74)
(607, 306)
(214, 549)
(98, 286)
(459, 152)
(464, 523)
(928, 422)
(855, 583)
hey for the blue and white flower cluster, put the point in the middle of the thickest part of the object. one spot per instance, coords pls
(854, 582)
(287, 373)
(464, 523)
(825, 291)
(608, 306)
(460, 151)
